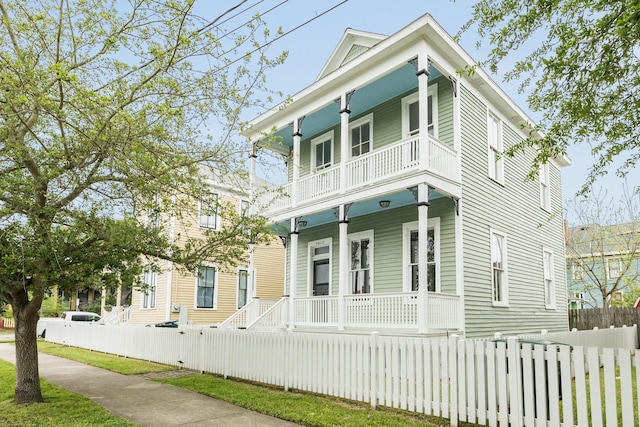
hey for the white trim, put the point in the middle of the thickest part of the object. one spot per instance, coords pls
(407, 228)
(610, 261)
(545, 187)
(311, 257)
(410, 99)
(368, 234)
(493, 164)
(217, 215)
(153, 284)
(504, 294)
(547, 269)
(248, 276)
(356, 123)
(319, 140)
(215, 288)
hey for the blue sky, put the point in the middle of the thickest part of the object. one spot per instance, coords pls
(310, 46)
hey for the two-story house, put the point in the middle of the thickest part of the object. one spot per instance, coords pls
(213, 293)
(400, 212)
(603, 263)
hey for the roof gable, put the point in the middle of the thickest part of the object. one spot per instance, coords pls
(353, 44)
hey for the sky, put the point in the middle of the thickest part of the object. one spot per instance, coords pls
(311, 45)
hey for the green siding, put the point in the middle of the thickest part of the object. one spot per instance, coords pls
(514, 209)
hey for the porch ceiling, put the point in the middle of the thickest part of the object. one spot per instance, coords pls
(391, 85)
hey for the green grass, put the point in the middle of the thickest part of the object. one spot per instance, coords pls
(61, 407)
(6, 331)
(110, 362)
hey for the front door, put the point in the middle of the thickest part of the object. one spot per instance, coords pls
(321, 277)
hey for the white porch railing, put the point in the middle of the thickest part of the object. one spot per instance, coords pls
(117, 315)
(272, 319)
(316, 311)
(247, 314)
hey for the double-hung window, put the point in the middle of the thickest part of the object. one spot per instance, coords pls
(361, 134)
(577, 271)
(149, 280)
(243, 280)
(411, 255)
(410, 113)
(613, 268)
(206, 287)
(545, 188)
(208, 212)
(499, 286)
(322, 151)
(549, 283)
(361, 262)
(495, 157)
(153, 213)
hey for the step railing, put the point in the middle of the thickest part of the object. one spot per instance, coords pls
(273, 319)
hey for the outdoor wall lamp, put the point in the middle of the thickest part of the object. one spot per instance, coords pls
(384, 204)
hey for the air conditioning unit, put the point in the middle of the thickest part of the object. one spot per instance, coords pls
(175, 307)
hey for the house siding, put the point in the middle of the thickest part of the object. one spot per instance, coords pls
(514, 209)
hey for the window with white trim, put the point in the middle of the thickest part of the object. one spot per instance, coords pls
(613, 268)
(410, 255)
(361, 135)
(319, 273)
(499, 285)
(549, 282)
(495, 157)
(322, 151)
(152, 218)
(206, 290)
(149, 280)
(243, 281)
(410, 113)
(545, 188)
(208, 212)
(361, 262)
(577, 270)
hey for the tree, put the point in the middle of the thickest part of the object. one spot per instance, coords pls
(109, 111)
(580, 61)
(604, 249)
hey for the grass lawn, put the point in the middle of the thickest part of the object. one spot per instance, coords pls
(62, 408)
(6, 331)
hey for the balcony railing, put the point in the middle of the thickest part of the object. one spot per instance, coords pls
(403, 157)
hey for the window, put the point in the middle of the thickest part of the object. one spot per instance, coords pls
(244, 207)
(545, 189)
(243, 279)
(410, 255)
(549, 283)
(577, 271)
(322, 151)
(209, 212)
(360, 266)
(149, 279)
(153, 213)
(499, 288)
(320, 267)
(410, 117)
(361, 135)
(206, 287)
(613, 268)
(496, 166)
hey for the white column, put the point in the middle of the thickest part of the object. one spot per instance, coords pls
(423, 248)
(459, 261)
(343, 264)
(251, 280)
(344, 139)
(297, 137)
(422, 72)
(293, 264)
(457, 135)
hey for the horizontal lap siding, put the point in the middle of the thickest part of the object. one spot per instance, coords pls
(515, 210)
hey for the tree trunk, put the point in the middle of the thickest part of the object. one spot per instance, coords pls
(27, 374)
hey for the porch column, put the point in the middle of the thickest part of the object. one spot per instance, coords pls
(297, 137)
(422, 71)
(293, 267)
(253, 292)
(423, 248)
(459, 260)
(457, 138)
(344, 138)
(343, 264)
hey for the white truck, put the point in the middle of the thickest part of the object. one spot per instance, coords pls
(66, 316)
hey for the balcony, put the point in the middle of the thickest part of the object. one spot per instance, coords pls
(400, 159)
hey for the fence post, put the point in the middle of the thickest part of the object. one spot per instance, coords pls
(373, 342)
(453, 380)
(287, 355)
(514, 381)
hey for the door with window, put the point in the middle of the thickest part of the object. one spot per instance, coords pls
(320, 269)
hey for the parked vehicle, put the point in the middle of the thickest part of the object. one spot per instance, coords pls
(166, 324)
(67, 316)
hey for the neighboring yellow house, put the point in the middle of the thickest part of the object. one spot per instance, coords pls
(212, 294)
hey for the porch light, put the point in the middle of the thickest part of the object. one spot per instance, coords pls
(384, 204)
(302, 223)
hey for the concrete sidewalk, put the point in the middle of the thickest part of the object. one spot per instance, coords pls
(141, 401)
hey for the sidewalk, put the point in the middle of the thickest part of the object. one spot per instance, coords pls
(141, 401)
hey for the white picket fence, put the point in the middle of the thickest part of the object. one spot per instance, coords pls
(479, 381)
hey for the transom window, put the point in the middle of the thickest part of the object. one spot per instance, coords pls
(411, 255)
(361, 260)
(499, 288)
(410, 113)
(149, 279)
(322, 151)
(206, 287)
(361, 135)
(549, 283)
(496, 162)
(209, 212)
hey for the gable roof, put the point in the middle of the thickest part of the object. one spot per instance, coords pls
(352, 44)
